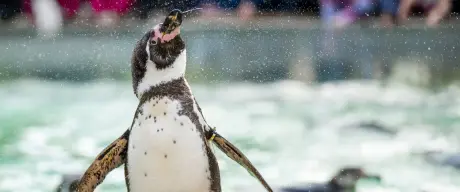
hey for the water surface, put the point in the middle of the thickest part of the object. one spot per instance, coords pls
(291, 131)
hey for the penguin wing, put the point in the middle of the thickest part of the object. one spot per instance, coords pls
(110, 158)
(234, 153)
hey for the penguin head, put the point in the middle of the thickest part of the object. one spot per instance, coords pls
(172, 22)
(164, 41)
(159, 56)
(348, 177)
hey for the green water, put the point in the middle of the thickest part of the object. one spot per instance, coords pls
(292, 132)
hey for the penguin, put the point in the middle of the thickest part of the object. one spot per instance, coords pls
(344, 181)
(168, 145)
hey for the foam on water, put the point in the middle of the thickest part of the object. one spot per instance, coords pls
(292, 132)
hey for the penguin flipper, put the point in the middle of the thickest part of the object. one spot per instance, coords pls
(110, 158)
(234, 153)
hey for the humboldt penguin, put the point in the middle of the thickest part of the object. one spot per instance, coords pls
(168, 145)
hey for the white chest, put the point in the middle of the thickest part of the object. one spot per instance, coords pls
(166, 153)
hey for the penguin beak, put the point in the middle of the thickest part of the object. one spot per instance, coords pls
(172, 21)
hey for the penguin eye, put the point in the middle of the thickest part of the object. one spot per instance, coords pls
(152, 38)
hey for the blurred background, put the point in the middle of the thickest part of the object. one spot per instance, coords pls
(303, 87)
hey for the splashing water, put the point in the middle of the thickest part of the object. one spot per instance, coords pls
(292, 132)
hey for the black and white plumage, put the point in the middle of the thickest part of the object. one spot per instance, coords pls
(167, 147)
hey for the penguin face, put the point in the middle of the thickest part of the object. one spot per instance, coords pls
(164, 41)
(157, 55)
(172, 22)
(154, 57)
(162, 47)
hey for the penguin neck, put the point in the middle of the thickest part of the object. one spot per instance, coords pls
(154, 77)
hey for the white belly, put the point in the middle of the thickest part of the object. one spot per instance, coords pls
(166, 152)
